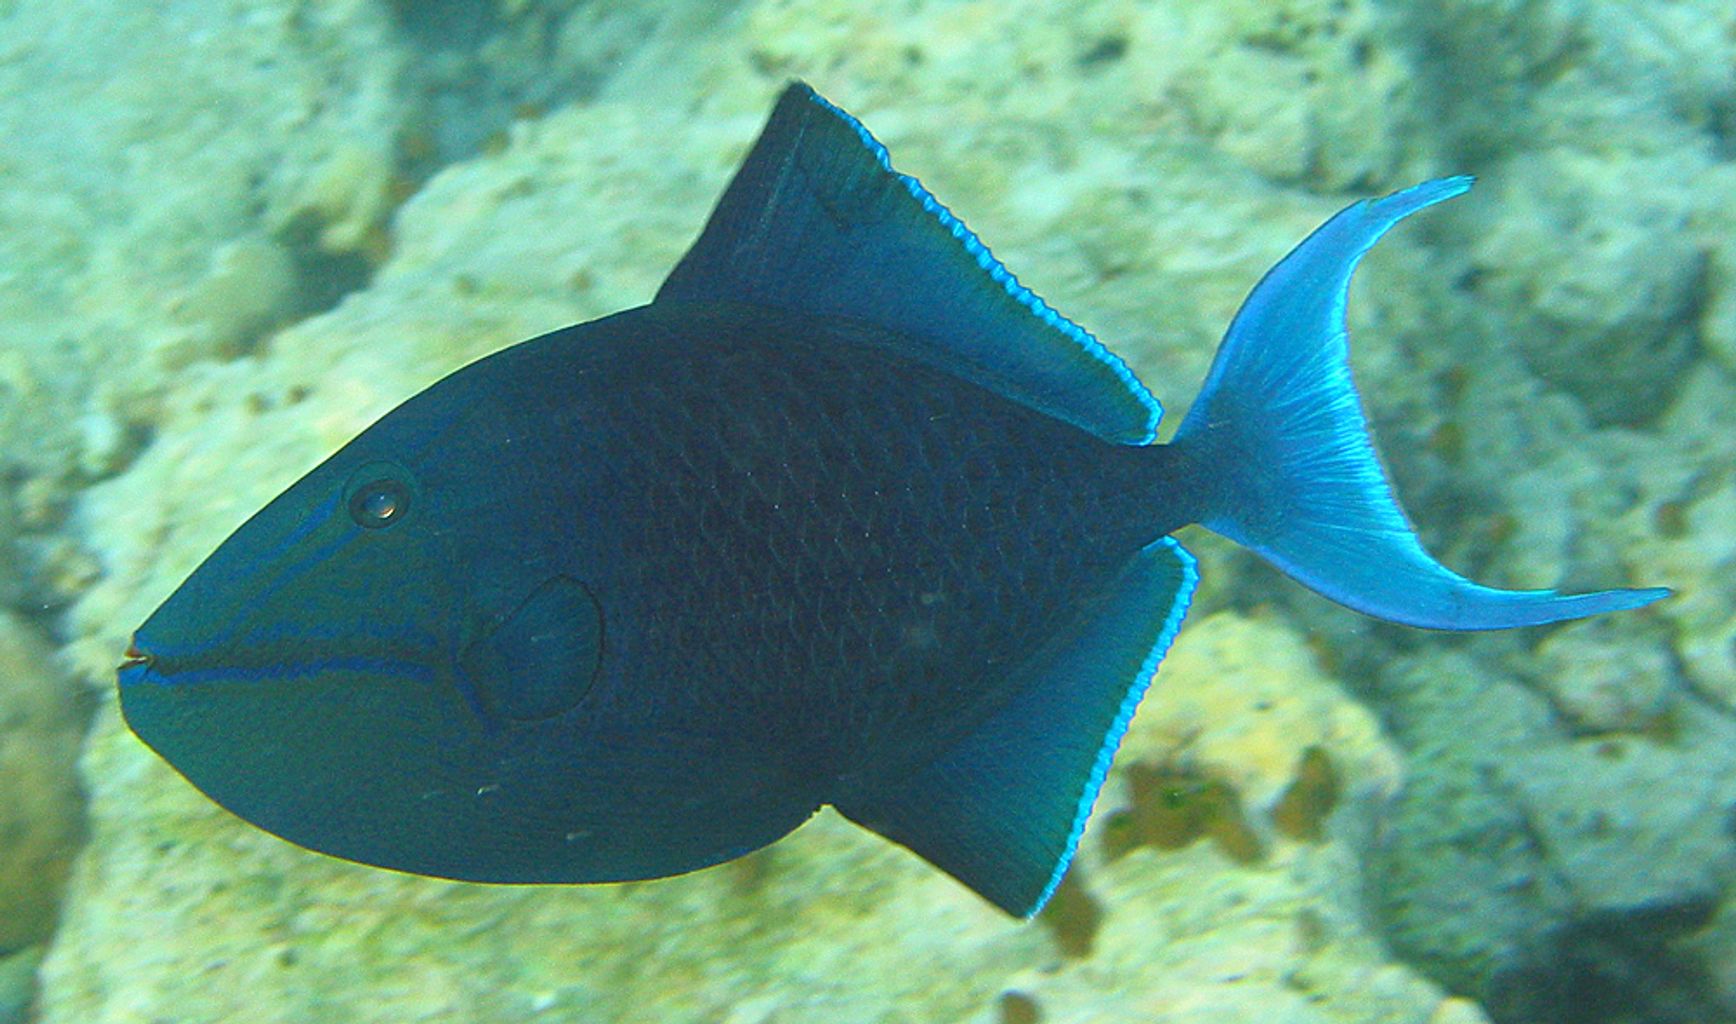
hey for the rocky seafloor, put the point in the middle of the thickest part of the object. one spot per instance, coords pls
(233, 232)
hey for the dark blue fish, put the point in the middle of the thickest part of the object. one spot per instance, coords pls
(845, 516)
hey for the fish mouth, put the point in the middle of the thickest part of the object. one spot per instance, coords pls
(134, 658)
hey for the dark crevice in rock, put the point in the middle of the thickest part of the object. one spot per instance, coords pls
(1475, 890)
(322, 277)
(1610, 969)
(478, 68)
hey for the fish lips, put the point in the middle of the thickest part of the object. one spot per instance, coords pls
(140, 667)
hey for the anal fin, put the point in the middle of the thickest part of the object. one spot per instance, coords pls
(1002, 811)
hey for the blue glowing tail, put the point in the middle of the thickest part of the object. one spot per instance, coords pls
(1284, 454)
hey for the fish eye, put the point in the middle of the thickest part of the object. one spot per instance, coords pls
(379, 495)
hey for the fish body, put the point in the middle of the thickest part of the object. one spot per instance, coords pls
(845, 516)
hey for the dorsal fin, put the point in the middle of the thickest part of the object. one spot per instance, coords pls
(817, 220)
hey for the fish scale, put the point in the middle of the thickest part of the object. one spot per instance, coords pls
(889, 445)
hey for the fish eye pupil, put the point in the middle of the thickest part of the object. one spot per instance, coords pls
(380, 503)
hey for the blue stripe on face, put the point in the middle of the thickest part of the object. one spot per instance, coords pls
(257, 656)
(287, 573)
(312, 521)
(369, 664)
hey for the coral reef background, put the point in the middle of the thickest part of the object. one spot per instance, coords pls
(233, 232)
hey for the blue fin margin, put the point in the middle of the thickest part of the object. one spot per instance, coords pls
(1283, 448)
(817, 220)
(1004, 809)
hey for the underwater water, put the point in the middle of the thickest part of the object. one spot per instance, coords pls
(235, 232)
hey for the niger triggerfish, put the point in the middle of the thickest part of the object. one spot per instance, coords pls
(845, 516)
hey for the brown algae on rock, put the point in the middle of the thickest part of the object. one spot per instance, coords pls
(1302, 811)
(1171, 808)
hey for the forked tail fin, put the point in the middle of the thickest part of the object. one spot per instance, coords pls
(1282, 444)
